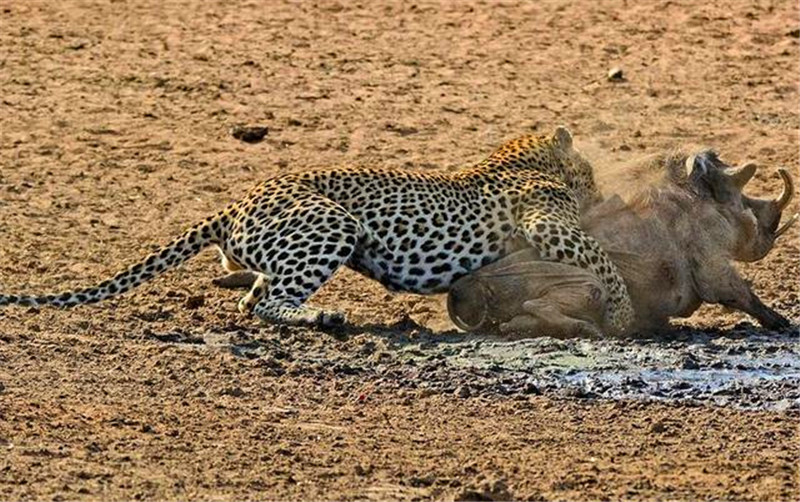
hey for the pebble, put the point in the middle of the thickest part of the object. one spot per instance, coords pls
(689, 363)
(249, 134)
(658, 427)
(423, 393)
(195, 301)
(233, 392)
(463, 392)
(615, 75)
(531, 389)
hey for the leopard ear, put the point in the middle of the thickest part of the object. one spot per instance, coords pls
(563, 137)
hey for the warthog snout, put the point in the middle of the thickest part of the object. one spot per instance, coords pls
(756, 221)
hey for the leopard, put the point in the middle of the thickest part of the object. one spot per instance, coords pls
(411, 230)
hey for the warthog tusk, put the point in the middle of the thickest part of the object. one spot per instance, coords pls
(791, 221)
(788, 190)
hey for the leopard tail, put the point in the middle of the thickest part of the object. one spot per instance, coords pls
(189, 244)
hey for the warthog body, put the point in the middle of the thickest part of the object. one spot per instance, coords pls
(673, 243)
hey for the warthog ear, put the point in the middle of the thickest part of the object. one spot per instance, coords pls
(564, 137)
(704, 171)
(741, 175)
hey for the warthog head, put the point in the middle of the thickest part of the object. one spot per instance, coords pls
(750, 224)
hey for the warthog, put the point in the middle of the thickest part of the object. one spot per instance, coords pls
(673, 243)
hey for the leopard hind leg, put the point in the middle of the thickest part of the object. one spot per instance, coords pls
(257, 289)
(297, 272)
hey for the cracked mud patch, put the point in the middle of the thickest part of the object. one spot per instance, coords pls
(740, 367)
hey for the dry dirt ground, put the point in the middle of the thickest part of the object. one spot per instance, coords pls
(115, 121)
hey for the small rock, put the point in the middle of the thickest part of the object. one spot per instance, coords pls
(423, 393)
(488, 490)
(531, 389)
(78, 45)
(360, 470)
(615, 75)
(470, 494)
(2, 387)
(463, 392)
(689, 363)
(201, 55)
(368, 348)
(499, 490)
(422, 481)
(576, 393)
(658, 427)
(249, 134)
(195, 301)
(233, 392)
(401, 130)
(346, 369)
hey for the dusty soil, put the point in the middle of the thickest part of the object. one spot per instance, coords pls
(116, 132)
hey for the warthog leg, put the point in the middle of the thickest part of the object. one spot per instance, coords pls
(753, 305)
(717, 281)
(236, 280)
(546, 319)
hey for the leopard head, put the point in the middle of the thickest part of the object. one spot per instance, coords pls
(578, 172)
